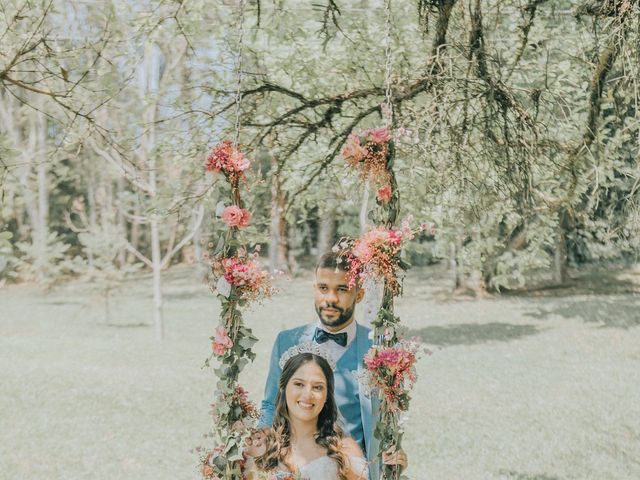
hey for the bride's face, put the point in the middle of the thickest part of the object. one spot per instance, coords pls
(306, 392)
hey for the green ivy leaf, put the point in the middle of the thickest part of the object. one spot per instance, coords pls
(247, 342)
(219, 245)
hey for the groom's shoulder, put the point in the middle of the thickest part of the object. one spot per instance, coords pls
(363, 333)
(362, 329)
(294, 333)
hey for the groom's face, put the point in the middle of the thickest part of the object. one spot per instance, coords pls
(334, 301)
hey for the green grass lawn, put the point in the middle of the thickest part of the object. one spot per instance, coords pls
(539, 386)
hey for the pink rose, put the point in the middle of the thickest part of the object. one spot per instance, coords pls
(221, 341)
(384, 194)
(353, 150)
(378, 135)
(395, 237)
(363, 251)
(235, 216)
(238, 161)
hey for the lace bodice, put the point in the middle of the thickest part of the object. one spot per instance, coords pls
(325, 468)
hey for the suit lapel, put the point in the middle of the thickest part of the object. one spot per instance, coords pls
(362, 346)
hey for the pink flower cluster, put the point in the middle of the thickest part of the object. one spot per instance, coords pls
(208, 467)
(377, 254)
(384, 194)
(242, 272)
(227, 158)
(234, 216)
(221, 341)
(245, 274)
(367, 151)
(239, 398)
(248, 407)
(376, 135)
(392, 370)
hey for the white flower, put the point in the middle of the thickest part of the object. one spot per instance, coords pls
(223, 287)
(363, 379)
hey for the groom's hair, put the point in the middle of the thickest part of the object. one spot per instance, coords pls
(332, 261)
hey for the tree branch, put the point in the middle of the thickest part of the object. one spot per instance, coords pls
(187, 238)
(137, 254)
(130, 176)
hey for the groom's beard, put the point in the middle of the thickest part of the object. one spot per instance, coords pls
(345, 315)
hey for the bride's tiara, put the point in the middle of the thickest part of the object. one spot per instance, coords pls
(307, 347)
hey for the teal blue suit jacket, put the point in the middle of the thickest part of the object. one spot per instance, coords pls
(295, 336)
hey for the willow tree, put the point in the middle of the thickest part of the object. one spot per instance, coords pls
(499, 108)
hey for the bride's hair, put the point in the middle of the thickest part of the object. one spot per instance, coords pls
(329, 434)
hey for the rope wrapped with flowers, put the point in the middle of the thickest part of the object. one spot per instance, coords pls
(237, 279)
(377, 255)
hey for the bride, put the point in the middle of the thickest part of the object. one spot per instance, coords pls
(305, 443)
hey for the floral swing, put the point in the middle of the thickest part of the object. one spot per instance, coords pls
(238, 279)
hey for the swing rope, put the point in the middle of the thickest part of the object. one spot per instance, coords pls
(388, 421)
(239, 58)
(387, 106)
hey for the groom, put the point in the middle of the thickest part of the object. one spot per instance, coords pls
(347, 342)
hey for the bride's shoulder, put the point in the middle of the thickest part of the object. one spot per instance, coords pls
(357, 467)
(350, 447)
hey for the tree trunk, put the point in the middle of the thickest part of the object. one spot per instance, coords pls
(122, 225)
(42, 232)
(134, 236)
(453, 264)
(283, 234)
(459, 264)
(156, 261)
(560, 253)
(91, 206)
(279, 245)
(326, 232)
(200, 267)
(152, 77)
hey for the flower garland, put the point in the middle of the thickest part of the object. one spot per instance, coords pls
(391, 370)
(377, 255)
(390, 363)
(236, 278)
(368, 152)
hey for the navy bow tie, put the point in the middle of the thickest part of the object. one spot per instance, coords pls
(321, 336)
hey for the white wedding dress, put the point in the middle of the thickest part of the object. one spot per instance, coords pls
(325, 468)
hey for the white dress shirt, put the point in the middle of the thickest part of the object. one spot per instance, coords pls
(335, 350)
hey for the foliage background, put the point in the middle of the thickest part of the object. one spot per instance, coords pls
(517, 132)
(516, 123)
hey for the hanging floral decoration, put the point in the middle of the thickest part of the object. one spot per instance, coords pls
(227, 158)
(243, 275)
(378, 255)
(237, 279)
(391, 370)
(367, 152)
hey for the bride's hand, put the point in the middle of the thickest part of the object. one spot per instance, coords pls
(395, 457)
(256, 444)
